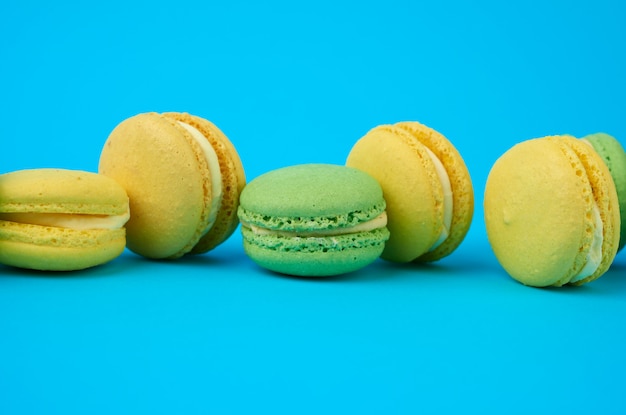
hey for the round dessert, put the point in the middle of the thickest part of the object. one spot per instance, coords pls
(552, 213)
(313, 220)
(613, 155)
(60, 220)
(430, 201)
(183, 177)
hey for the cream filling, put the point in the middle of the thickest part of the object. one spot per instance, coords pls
(378, 222)
(444, 179)
(214, 168)
(80, 222)
(594, 256)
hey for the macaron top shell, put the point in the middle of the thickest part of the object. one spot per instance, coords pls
(614, 156)
(411, 189)
(168, 179)
(539, 211)
(311, 197)
(61, 191)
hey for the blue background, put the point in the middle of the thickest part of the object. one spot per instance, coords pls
(289, 83)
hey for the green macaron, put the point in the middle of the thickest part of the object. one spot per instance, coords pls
(313, 220)
(613, 155)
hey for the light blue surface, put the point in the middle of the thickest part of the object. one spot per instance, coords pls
(292, 83)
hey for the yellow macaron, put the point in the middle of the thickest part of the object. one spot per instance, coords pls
(183, 177)
(426, 185)
(552, 212)
(60, 220)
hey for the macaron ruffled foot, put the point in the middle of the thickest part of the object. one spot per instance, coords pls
(313, 220)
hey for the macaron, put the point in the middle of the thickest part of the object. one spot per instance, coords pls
(313, 220)
(183, 177)
(552, 213)
(613, 155)
(60, 220)
(427, 187)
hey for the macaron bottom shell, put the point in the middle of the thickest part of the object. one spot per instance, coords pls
(46, 248)
(315, 256)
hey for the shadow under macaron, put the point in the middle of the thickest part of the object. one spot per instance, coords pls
(116, 267)
(215, 259)
(382, 270)
(611, 284)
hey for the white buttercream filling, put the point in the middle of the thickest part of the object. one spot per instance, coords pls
(594, 256)
(214, 168)
(378, 222)
(79, 222)
(444, 179)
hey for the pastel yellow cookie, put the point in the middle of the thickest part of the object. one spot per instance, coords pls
(183, 177)
(552, 213)
(60, 220)
(426, 185)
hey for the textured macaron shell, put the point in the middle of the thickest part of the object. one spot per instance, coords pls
(168, 179)
(57, 249)
(613, 155)
(539, 206)
(400, 157)
(311, 197)
(76, 206)
(319, 257)
(61, 191)
(287, 204)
